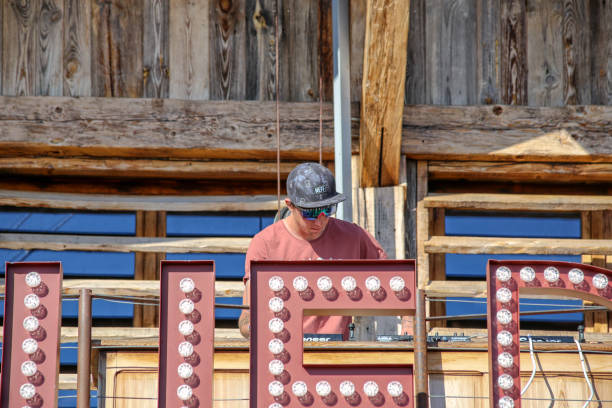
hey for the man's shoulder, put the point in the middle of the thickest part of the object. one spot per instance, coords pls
(346, 226)
(270, 231)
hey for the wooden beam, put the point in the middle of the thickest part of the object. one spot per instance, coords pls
(518, 202)
(104, 202)
(520, 172)
(382, 101)
(122, 244)
(537, 246)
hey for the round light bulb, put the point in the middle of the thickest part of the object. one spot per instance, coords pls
(29, 346)
(276, 346)
(33, 279)
(276, 367)
(323, 388)
(372, 283)
(551, 274)
(348, 283)
(30, 323)
(275, 405)
(276, 325)
(187, 285)
(31, 301)
(325, 284)
(184, 392)
(276, 304)
(299, 389)
(504, 316)
(503, 274)
(185, 370)
(527, 274)
(504, 295)
(505, 381)
(576, 276)
(276, 283)
(185, 349)
(275, 388)
(395, 389)
(28, 368)
(397, 283)
(347, 388)
(370, 388)
(186, 306)
(506, 402)
(300, 283)
(504, 338)
(600, 281)
(27, 391)
(505, 360)
(185, 327)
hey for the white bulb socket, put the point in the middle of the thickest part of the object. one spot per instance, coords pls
(276, 388)
(503, 274)
(185, 327)
(503, 295)
(185, 370)
(395, 389)
(185, 349)
(325, 284)
(276, 325)
(29, 346)
(323, 388)
(551, 274)
(276, 283)
(276, 346)
(186, 306)
(276, 304)
(372, 283)
(505, 382)
(600, 281)
(31, 323)
(187, 285)
(349, 283)
(576, 276)
(505, 360)
(184, 392)
(31, 301)
(276, 367)
(28, 368)
(300, 283)
(506, 402)
(370, 388)
(33, 279)
(299, 389)
(527, 274)
(504, 338)
(347, 388)
(397, 283)
(504, 316)
(27, 391)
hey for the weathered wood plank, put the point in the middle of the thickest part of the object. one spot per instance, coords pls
(20, 70)
(77, 48)
(104, 202)
(416, 61)
(122, 244)
(382, 100)
(600, 32)
(155, 57)
(520, 172)
(513, 53)
(488, 51)
(50, 43)
(176, 169)
(261, 49)
(117, 48)
(228, 50)
(357, 11)
(577, 55)
(325, 50)
(189, 44)
(451, 28)
(519, 202)
(545, 66)
(538, 246)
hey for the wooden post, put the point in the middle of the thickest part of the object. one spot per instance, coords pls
(597, 225)
(148, 224)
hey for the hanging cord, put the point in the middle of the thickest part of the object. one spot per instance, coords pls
(277, 114)
(586, 376)
(533, 363)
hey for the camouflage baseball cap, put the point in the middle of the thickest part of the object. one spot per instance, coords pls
(310, 185)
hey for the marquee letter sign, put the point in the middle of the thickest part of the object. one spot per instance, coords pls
(283, 292)
(186, 334)
(32, 321)
(504, 279)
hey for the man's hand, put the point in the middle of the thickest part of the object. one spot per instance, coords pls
(244, 324)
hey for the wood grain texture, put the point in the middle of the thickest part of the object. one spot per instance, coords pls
(117, 29)
(357, 11)
(416, 58)
(77, 48)
(261, 49)
(577, 55)
(325, 50)
(601, 51)
(488, 51)
(382, 101)
(189, 43)
(227, 49)
(104, 202)
(545, 66)
(50, 47)
(513, 53)
(451, 28)
(122, 244)
(155, 55)
(20, 71)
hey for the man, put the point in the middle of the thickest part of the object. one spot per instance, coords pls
(309, 233)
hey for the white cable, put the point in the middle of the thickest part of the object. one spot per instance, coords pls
(533, 363)
(586, 376)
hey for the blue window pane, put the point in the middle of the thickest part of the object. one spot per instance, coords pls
(100, 309)
(212, 225)
(69, 354)
(68, 223)
(77, 263)
(227, 266)
(228, 314)
(508, 226)
(456, 306)
(67, 399)
(475, 266)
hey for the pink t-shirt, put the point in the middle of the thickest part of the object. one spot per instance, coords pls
(340, 240)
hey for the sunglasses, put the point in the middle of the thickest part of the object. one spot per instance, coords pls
(313, 213)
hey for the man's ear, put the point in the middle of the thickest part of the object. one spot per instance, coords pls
(288, 202)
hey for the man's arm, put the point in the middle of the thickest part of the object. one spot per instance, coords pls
(244, 322)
